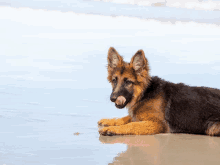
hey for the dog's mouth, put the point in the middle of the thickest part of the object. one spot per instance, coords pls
(121, 102)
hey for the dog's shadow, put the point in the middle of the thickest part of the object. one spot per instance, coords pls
(161, 149)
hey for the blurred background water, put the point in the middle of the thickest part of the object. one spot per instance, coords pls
(53, 77)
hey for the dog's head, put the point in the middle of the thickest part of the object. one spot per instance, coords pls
(128, 80)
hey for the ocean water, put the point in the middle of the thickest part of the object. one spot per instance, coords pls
(53, 77)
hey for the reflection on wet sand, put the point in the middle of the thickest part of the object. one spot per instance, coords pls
(166, 149)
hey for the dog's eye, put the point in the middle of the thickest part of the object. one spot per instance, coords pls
(114, 80)
(128, 82)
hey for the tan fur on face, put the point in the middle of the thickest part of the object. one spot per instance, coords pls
(121, 78)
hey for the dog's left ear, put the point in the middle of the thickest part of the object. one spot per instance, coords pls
(139, 61)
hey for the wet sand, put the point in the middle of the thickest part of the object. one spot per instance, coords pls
(166, 149)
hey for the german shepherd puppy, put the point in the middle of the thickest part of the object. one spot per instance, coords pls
(155, 105)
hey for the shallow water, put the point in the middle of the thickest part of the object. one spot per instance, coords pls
(52, 126)
(53, 86)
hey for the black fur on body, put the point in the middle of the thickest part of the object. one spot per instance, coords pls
(190, 110)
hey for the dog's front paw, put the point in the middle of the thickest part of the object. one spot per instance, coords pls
(109, 131)
(107, 122)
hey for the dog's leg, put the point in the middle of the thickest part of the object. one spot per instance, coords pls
(134, 128)
(213, 129)
(115, 122)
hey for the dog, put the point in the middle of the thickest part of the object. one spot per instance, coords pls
(155, 105)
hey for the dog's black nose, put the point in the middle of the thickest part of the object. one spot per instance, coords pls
(113, 97)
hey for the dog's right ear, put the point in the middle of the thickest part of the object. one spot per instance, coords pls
(114, 59)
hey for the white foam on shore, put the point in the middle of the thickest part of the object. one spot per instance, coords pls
(188, 4)
(71, 20)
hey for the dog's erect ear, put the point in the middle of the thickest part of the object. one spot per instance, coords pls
(114, 59)
(139, 61)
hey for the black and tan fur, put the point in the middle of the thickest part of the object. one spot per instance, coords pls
(155, 105)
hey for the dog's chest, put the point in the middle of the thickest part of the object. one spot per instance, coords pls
(148, 109)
